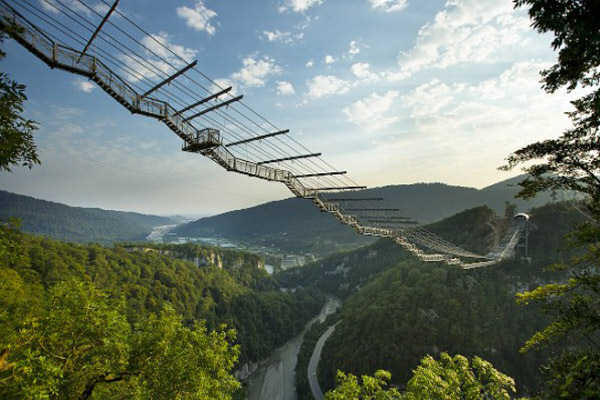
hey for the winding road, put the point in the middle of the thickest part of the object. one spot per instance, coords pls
(313, 379)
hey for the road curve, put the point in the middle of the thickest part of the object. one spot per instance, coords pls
(313, 379)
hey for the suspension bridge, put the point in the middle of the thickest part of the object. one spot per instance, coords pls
(146, 76)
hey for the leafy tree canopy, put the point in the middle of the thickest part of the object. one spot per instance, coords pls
(449, 378)
(17, 146)
(80, 346)
(570, 162)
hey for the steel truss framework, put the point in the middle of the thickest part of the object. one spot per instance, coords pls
(414, 240)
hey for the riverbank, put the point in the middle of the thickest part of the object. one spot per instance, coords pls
(275, 377)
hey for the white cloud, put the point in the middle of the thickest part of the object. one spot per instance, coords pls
(465, 31)
(389, 5)
(277, 35)
(199, 17)
(499, 114)
(368, 112)
(354, 49)
(310, 63)
(283, 37)
(325, 85)
(256, 71)
(363, 72)
(285, 88)
(224, 83)
(84, 86)
(299, 5)
(329, 59)
(54, 7)
(157, 45)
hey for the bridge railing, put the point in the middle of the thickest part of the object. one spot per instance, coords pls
(63, 57)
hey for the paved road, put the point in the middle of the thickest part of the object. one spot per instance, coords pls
(314, 362)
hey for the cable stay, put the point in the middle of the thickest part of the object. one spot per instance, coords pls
(206, 137)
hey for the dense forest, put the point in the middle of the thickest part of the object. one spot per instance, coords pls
(77, 224)
(398, 309)
(240, 294)
(296, 225)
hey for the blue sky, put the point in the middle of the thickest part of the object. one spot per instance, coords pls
(394, 91)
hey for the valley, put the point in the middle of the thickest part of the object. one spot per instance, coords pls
(396, 270)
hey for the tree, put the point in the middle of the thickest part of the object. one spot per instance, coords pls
(450, 378)
(17, 146)
(455, 378)
(369, 388)
(80, 346)
(571, 162)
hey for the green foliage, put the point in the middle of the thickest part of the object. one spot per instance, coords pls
(81, 346)
(368, 388)
(450, 378)
(240, 294)
(77, 338)
(454, 378)
(414, 309)
(570, 162)
(573, 376)
(17, 146)
(398, 309)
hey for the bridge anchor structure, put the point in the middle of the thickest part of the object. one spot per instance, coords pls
(270, 154)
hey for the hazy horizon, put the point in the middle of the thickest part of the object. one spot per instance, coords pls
(400, 92)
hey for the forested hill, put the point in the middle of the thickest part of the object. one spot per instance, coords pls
(296, 225)
(398, 309)
(230, 287)
(77, 224)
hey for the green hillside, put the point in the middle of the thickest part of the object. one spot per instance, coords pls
(240, 293)
(296, 225)
(398, 309)
(77, 224)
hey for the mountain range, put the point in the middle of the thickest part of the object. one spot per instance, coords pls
(296, 225)
(77, 224)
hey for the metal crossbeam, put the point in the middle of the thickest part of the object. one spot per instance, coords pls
(356, 199)
(289, 158)
(413, 239)
(371, 209)
(98, 30)
(257, 138)
(204, 100)
(339, 188)
(385, 221)
(321, 174)
(169, 79)
(214, 107)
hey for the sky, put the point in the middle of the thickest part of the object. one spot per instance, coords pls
(393, 91)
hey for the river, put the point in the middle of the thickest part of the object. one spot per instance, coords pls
(275, 378)
(158, 232)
